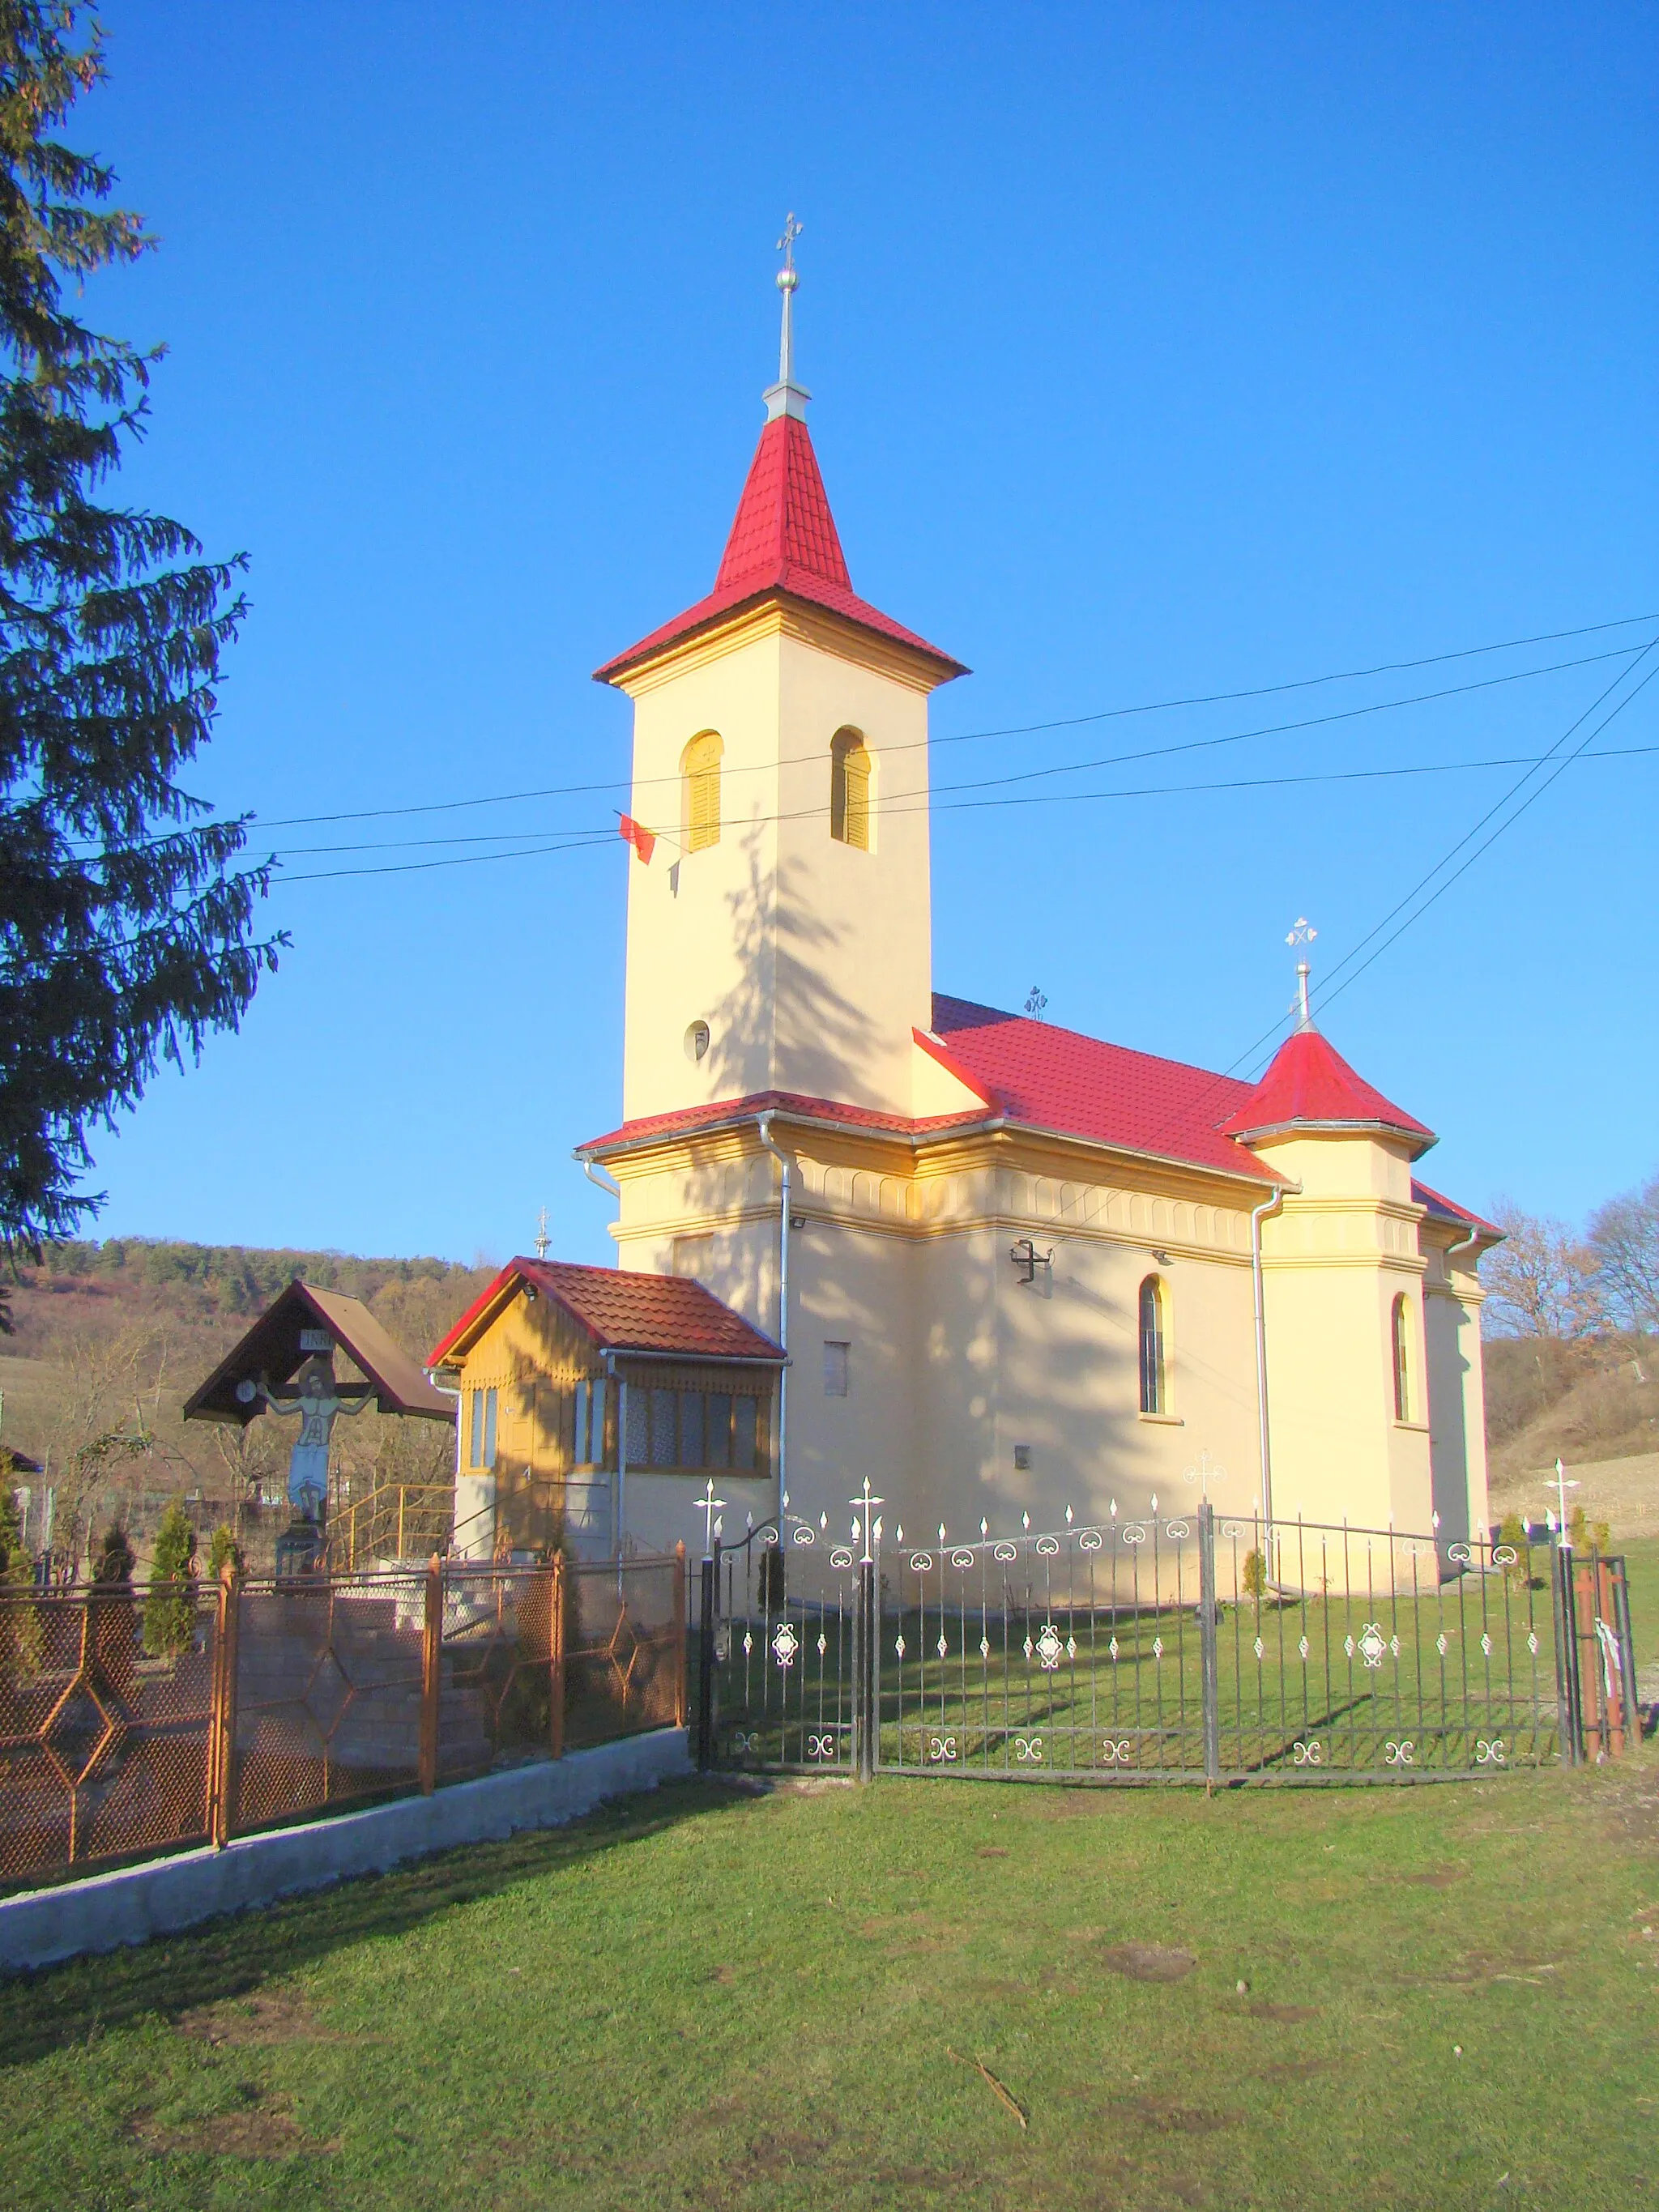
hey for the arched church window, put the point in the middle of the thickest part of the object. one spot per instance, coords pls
(850, 790)
(700, 777)
(1154, 1377)
(1402, 1374)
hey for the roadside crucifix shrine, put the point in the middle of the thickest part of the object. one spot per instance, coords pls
(285, 1362)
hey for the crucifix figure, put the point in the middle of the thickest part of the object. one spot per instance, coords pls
(319, 1401)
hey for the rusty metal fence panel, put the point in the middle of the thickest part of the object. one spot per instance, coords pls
(499, 1666)
(624, 1648)
(103, 1736)
(137, 1720)
(328, 1686)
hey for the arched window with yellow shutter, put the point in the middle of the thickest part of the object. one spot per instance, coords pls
(1403, 1371)
(850, 790)
(700, 788)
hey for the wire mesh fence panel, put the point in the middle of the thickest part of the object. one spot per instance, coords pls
(1372, 1650)
(327, 1694)
(624, 1648)
(1069, 1652)
(105, 1707)
(497, 1682)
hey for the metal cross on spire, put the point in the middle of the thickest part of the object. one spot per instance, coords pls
(542, 1240)
(1303, 934)
(786, 395)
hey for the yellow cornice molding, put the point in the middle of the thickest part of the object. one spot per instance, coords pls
(778, 616)
(1377, 1262)
(927, 1156)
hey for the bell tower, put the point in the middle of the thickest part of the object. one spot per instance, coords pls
(779, 922)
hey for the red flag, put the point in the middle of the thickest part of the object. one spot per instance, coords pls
(643, 840)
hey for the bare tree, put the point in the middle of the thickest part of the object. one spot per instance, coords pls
(100, 1430)
(1541, 1280)
(1624, 1235)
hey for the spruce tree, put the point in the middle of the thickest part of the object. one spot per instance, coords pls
(126, 930)
(170, 1606)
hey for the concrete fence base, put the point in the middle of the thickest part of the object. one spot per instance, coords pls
(164, 1895)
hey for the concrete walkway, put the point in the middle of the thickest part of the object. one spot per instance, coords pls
(133, 1904)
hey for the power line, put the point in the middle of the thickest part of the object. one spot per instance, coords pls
(1282, 729)
(1304, 683)
(1022, 799)
(1156, 706)
(460, 860)
(1226, 1078)
(1441, 889)
(1498, 806)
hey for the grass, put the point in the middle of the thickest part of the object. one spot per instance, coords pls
(714, 1999)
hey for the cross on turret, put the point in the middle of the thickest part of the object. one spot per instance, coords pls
(1303, 934)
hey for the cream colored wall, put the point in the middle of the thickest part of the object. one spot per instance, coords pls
(1334, 1257)
(952, 1364)
(809, 960)
(1457, 1402)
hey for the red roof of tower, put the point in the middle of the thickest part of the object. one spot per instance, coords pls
(1309, 1085)
(783, 541)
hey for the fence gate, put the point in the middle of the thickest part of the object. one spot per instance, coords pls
(1198, 1647)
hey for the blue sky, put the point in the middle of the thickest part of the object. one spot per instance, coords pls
(1157, 352)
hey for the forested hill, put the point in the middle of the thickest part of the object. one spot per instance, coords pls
(111, 1339)
(203, 1282)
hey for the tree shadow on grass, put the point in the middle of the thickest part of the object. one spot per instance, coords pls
(56, 2006)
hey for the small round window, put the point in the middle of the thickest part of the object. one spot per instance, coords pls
(696, 1042)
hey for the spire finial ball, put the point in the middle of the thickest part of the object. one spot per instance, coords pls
(788, 279)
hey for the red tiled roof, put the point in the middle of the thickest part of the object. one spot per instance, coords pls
(1448, 1209)
(1030, 1073)
(666, 1316)
(1309, 1085)
(794, 1105)
(1055, 1078)
(783, 540)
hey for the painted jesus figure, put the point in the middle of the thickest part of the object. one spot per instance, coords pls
(319, 1403)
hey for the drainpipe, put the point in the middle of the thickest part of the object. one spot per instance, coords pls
(610, 1187)
(432, 1379)
(1447, 1257)
(1259, 1214)
(764, 1127)
(1473, 1237)
(618, 1502)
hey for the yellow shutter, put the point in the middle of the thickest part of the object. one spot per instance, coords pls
(700, 766)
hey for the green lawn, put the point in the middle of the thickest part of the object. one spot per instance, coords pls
(712, 1999)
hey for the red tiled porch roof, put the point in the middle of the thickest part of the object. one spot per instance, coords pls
(666, 1316)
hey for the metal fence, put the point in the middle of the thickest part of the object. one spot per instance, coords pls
(133, 1721)
(1185, 1648)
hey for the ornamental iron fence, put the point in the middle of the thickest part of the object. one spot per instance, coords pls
(1180, 1648)
(133, 1721)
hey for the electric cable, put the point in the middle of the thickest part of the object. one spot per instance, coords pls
(1023, 799)
(625, 783)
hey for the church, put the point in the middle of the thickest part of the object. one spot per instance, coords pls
(996, 1268)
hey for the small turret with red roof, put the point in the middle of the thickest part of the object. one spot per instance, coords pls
(1310, 1089)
